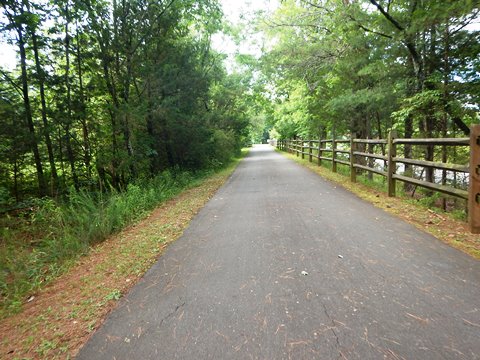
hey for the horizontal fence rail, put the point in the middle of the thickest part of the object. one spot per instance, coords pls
(359, 154)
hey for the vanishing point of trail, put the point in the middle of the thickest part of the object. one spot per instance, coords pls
(282, 264)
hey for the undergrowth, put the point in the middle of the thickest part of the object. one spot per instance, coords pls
(37, 247)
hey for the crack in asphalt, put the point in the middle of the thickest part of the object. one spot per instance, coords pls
(171, 313)
(333, 323)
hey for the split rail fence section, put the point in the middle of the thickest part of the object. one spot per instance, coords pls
(338, 151)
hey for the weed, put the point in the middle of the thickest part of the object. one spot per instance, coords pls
(45, 347)
(91, 326)
(73, 314)
(460, 215)
(113, 295)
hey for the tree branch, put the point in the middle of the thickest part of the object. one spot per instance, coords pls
(330, 11)
(367, 29)
(388, 16)
(374, 32)
(416, 58)
(461, 125)
(465, 23)
(150, 29)
(275, 25)
(10, 80)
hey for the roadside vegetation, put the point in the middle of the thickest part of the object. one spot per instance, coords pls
(424, 211)
(113, 108)
(37, 246)
(55, 319)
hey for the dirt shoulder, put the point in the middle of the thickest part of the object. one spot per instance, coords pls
(59, 319)
(441, 225)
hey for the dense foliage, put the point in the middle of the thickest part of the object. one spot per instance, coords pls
(105, 93)
(108, 92)
(367, 66)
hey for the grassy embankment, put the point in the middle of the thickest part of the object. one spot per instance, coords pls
(450, 227)
(58, 296)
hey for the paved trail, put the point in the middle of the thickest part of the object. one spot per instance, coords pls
(232, 288)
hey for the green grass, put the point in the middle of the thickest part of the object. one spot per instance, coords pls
(39, 247)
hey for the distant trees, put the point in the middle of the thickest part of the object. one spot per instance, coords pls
(108, 92)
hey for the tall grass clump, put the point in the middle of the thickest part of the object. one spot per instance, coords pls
(37, 247)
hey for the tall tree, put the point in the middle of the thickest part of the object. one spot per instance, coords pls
(20, 20)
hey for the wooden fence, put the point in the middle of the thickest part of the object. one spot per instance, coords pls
(361, 155)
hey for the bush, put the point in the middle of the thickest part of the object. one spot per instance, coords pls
(224, 146)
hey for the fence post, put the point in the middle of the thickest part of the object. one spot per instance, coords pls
(474, 186)
(334, 147)
(319, 151)
(392, 167)
(303, 149)
(353, 171)
(310, 150)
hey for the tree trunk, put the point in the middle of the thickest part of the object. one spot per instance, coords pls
(407, 152)
(446, 95)
(87, 157)
(113, 116)
(46, 129)
(126, 124)
(380, 136)
(127, 43)
(62, 162)
(68, 142)
(430, 117)
(42, 186)
(155, 165)
(370, 147)
(113, 108)
(15, 180)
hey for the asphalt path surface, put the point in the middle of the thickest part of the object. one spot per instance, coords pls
(282, 264)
